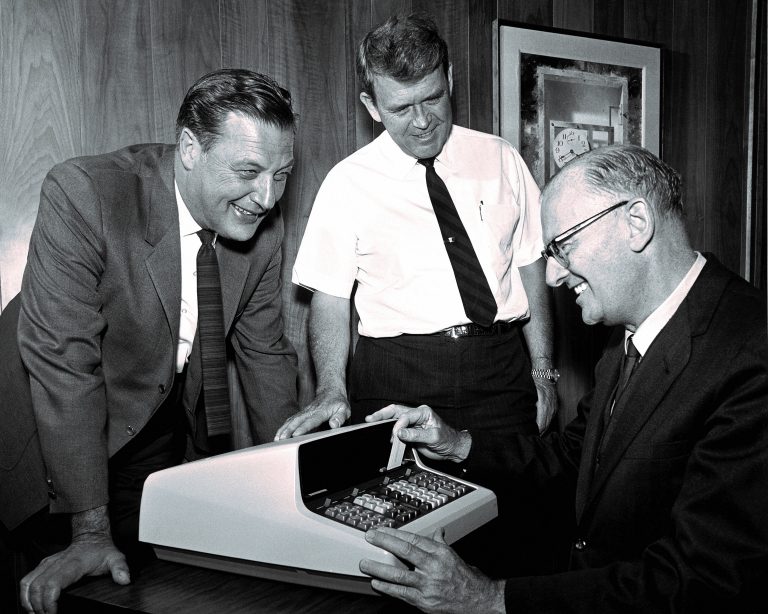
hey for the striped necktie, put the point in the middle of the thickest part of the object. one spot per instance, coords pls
(476, 295)
(210, 328)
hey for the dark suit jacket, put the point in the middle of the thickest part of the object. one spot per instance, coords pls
(674, 518)
(99, 320)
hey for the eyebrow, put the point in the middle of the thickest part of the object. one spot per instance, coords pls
(256, 165)
(436, 95)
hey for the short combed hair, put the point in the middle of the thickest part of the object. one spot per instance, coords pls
(231, 90)
(403, 48)
(628, 171)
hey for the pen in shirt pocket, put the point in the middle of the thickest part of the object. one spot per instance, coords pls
(481, 210)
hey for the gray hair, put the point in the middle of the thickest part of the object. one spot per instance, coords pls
(628, 170)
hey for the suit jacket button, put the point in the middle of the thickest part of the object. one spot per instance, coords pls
(161, 388)
(130, 430)
(51, 490)
(580, 544)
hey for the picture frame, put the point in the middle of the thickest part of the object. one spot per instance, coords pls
(560, 93)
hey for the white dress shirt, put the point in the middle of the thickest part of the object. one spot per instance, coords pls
(654, 323)
(190, 245)
(372, 222)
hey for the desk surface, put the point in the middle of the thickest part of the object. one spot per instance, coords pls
(162, 587)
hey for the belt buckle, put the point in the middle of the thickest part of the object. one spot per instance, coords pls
(453, 332)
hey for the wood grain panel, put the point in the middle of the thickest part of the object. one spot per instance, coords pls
(381, 10)
(40, 101)
(185, 46)
(360, 124)
(573, 15)
(308, 56)
(117, 75)
(245, 35)
(533, 12)
(480, 64)
(758, 270)
(608, 17)
(726, 103)
(650, 20)
(684, 112)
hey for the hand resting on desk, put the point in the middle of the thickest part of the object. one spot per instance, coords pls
(333, 408)
(86, 556)
(91, 553)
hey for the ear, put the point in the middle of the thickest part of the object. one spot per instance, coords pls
(642, 224)
(450, 79)
(370, 105)
(190, 149)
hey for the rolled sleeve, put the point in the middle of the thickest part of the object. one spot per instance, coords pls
(327, 260)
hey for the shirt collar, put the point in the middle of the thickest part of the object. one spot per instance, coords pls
(654, 323)
(187, 224)
(401, 163)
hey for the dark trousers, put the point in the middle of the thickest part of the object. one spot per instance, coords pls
(476, 382)
(473, 382)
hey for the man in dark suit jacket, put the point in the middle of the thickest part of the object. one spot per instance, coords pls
(107, 322)
(670, 470)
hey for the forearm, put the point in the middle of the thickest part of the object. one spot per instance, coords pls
(329, 339)
(93, 522)
(539, 329)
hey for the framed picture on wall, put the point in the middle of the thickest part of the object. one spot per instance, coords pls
(559, 94)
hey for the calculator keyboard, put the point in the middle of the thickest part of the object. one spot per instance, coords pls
(392, 501)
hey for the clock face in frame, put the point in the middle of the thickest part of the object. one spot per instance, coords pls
(569, 143)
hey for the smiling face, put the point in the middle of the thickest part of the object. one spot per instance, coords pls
(230, 188)
(416, 114)
(600, 270)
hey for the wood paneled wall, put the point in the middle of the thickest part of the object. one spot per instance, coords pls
(88, 76)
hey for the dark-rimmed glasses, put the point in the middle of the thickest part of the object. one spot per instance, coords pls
(553, 249)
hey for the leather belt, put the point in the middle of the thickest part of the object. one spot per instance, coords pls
(473, 330)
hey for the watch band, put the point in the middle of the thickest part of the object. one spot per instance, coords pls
(551, 375)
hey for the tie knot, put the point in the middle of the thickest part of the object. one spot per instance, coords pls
(631, 349)
(206, 236)
(428, 162)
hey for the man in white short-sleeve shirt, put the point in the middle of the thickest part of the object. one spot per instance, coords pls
(373, 223)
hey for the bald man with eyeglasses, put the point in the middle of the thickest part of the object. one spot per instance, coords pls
(668, 456)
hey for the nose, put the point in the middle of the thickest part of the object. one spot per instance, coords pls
(263, 193)
(420, 117)
(555, 273)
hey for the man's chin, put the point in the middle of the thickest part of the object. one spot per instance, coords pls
(240, 231)
(590, 320)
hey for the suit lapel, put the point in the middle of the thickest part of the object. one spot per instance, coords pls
(164, 261)
(233, 270)
(606, 374)
(662, 364)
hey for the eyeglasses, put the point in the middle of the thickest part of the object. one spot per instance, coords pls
(553, 249)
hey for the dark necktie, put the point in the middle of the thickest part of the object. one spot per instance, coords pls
(476, 295)
(628, 365)
(210, 330)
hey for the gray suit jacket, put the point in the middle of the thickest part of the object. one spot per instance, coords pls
(99, 320)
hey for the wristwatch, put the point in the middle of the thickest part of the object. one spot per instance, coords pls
(548, 374)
